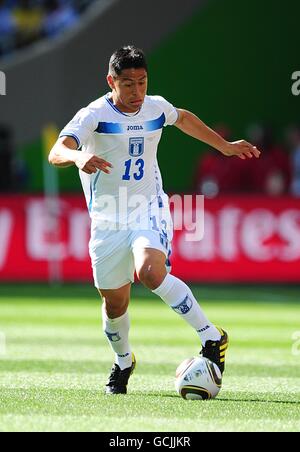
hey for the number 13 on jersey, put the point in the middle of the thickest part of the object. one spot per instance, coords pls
(138, 169)
(136, 149)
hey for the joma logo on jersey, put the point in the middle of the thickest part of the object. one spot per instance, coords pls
(134, 128)
(136, 146)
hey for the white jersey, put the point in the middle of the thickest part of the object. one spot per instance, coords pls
(129, 143)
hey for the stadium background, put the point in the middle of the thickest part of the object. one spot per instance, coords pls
(217, 67)
(231, 63)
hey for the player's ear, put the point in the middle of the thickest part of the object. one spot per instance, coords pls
(110, 81)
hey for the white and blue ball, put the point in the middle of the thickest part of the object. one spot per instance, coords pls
(198, 379)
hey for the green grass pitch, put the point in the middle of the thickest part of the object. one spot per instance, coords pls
(54, 362)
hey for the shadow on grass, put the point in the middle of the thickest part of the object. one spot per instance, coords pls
(251, 399)
(259, 400)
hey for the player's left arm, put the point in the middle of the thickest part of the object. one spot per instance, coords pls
(190, 124)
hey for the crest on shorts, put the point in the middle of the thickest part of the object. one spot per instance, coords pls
(136, 146)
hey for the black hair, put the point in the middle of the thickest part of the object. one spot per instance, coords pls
(126, 58)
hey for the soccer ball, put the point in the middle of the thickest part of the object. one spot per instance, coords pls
(198, 379)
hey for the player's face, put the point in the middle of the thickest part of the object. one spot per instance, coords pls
(129, 89)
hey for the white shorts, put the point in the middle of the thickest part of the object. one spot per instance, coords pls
(112, 251)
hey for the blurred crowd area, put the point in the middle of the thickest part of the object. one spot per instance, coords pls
(275, 173)
(23, 22)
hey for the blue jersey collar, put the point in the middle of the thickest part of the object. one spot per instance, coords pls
(119, 111)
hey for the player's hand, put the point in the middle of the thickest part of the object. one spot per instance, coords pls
(90, 163)
(241, 149)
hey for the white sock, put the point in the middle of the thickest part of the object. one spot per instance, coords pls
(117, 333)
(179, 297)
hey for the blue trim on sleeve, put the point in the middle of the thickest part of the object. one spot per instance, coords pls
(72, 136)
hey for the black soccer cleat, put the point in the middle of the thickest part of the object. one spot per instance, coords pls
(215, 350)
(118, 379)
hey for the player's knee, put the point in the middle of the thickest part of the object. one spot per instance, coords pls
(116, 308)
(150, 277)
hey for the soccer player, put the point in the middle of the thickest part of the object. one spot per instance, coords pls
(113, 141)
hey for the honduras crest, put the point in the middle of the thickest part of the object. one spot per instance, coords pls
(184, 307)
(136, 146)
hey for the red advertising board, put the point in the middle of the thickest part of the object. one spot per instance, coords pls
(34, 232)
(245, 239)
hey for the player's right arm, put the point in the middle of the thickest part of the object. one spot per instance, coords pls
(64, 153)
(76, 134)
